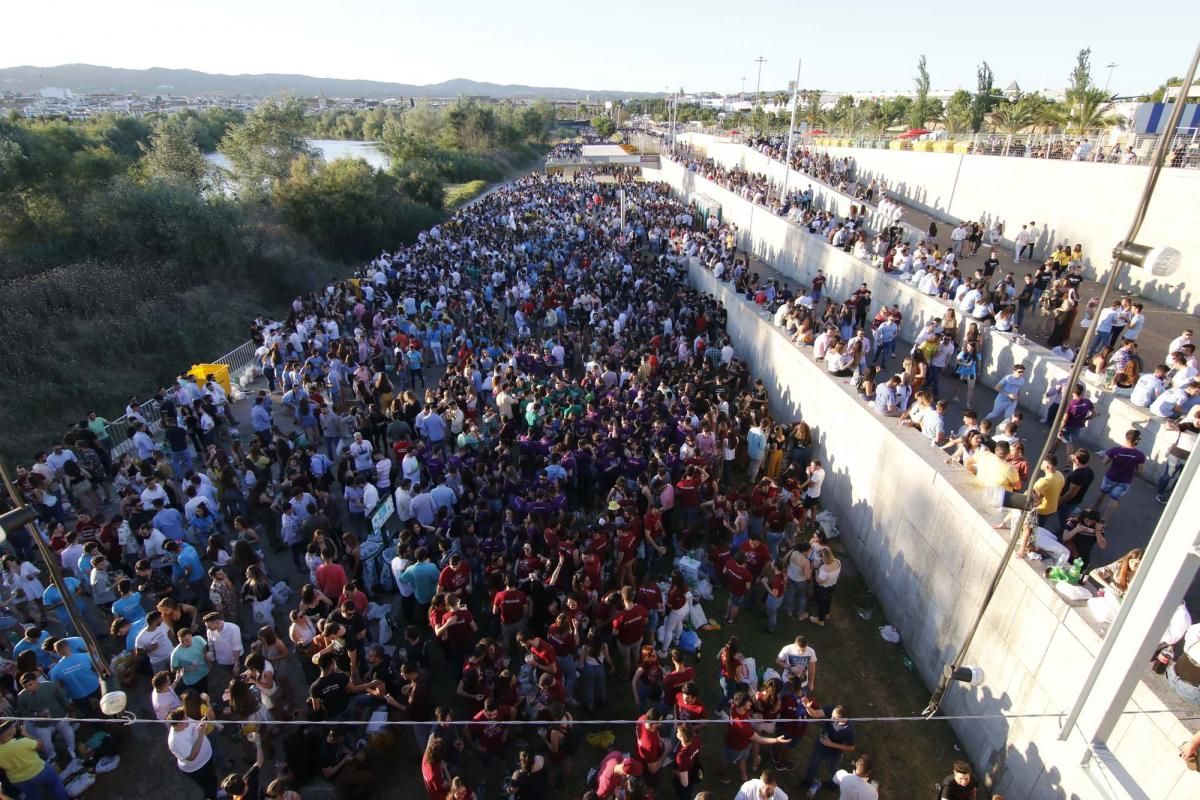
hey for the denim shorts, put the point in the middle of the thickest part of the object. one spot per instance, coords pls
(736, 756)
(1113, 489)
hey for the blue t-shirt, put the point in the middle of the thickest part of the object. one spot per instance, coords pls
(188, 565)
(129, 607)
(77, 675)
(135, 627)
(52, 597)
(423, 577)
(44, 659)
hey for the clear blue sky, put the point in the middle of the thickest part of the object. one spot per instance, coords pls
(645, 46)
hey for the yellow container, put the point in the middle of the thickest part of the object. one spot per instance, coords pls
(923, 147)
(943, 146)
(895, 144)
(962, 147)
(220, 374)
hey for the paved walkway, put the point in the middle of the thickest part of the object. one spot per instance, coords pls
(1163, 324)
(1129, 527)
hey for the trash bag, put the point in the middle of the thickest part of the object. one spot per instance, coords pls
(601, 740)
(697, 616)
(890, 634)
(689, 641)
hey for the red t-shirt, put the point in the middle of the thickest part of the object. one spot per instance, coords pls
(459, 634)
(331, 579)
(719, 558)
(673, 680)
(685, 756)
(627, 544)
(512, 604)
(630, 625)
(434, 776)
(649, 743)
(563, 640)
(685, 710)
(757, 555)
(544, 652)
(676, 598)
(650, 597)
(777, 583)
(490, 736)
(739, 732)
(454, 580)
(737, 578)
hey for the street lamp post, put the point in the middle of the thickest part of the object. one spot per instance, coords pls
(787, 161)
(757, 87)
(1111, 66)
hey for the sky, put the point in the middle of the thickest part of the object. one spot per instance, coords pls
(697, 45)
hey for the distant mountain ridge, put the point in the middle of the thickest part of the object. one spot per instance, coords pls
(88, 78)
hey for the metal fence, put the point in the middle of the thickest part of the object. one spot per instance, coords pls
(1104, 147)
(120, 431)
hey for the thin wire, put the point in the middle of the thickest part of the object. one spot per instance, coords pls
(464, 723)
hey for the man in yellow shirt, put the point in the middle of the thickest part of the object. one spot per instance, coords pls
(25, 768)
(1047, 490)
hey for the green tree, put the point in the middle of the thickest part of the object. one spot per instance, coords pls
(173, 155)
(603, 126)
(1160, 94)
(1089, 110)
(957, 116)
(262, 148)
(810, 106)
(985, 98)
(1081, 76)
(922, 109)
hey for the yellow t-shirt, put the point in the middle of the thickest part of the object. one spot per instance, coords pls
(1050, 488)
(20, 760)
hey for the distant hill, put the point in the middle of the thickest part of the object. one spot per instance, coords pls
(88, 78)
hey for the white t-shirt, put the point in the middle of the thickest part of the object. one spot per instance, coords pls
(798, 659)
(1148, 387)
(816, 480)
(157, 645)
(853, 787)
(751, 791)
(164, 702)
(181, 742)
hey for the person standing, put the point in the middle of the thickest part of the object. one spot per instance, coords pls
(960, 785)
(24, 766)
(188, 742)
(1124, 463)
(1047, 490)
(764, 787)
(857, 785)
(827, 577)
(837, 738)
(1008, 390)
(40, 698)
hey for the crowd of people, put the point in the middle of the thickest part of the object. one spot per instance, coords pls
(583, 458)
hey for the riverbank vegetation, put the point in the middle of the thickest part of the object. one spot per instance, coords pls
(125, 255)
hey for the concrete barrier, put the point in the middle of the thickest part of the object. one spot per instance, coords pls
(927, 553)
(798, 255)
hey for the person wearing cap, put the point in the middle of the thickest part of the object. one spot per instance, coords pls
(22, 763)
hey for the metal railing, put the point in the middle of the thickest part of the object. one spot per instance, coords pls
(120, 431)
(1101, 147)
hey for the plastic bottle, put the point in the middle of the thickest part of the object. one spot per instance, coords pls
(1075, 573)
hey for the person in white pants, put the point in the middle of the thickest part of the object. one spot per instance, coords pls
(673, 625)
(46, 699)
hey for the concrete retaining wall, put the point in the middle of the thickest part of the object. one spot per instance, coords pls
(927, 554)
(798, 255)
(1091, 204)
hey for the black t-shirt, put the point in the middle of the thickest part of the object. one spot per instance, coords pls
(354, 624)
(1082, 478)
(332, 691)
(989, 265)
(1041, 280)
(177, 438)
(951, 790)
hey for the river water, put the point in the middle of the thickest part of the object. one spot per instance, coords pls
(330, 150)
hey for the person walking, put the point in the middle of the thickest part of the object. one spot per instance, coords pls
(24, 766)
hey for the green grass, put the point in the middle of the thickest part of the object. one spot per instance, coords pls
(459, 194)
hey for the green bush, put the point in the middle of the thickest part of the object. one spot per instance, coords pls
(464, 193)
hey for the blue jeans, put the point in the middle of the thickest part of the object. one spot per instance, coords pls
(885, 349)
(773, 538)
(568, 673)
(773, 604)
(822, 756)
(46, 784)
(181, 462)
(591, 682)
(795, 597)
(1170, 474)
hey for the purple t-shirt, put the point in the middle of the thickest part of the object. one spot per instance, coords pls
(1125, 460)
(1077, 412)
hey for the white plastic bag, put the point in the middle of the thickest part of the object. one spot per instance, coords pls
(704, 589)
(264, 611)
(829, 524)
(751, 672)
(1072, 592)
(698, 618)
(890, 634)
(281, 593)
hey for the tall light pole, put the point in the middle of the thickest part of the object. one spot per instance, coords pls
(743, 92)
(787, 161)
(1111, 66)
(757, 86)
